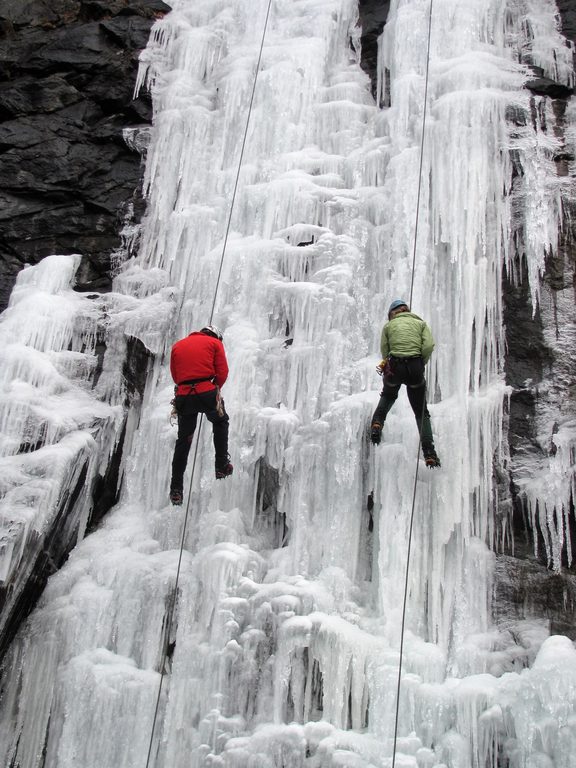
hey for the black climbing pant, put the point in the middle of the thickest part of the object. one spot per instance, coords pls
(408, 371)
(188, 407)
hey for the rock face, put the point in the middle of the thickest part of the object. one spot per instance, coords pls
(67, 180)
(567, 10)
(522, 592)
(373, 15)
(538, 371)
(67, 70)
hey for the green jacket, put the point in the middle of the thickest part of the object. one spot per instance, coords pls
(406, 335)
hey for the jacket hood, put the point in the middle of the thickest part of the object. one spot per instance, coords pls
(405, 314)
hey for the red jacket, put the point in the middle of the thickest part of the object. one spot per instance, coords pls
(198, 356)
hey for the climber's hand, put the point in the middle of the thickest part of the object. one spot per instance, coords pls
(381, 365)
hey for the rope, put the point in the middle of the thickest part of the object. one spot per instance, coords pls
(411, 525)
(172, 603)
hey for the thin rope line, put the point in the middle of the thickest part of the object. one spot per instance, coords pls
(411, 526)
(421, 152)
(404, 602)
(172, 605)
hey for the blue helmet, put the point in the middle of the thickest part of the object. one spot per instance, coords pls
(395, 304)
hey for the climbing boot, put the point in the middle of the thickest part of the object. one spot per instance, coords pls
(430, 455)
(223, 468)
(375, 433)
(176, 497)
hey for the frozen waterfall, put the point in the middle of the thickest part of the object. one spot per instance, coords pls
(284, 645)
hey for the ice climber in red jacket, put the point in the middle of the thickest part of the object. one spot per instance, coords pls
(199, 368)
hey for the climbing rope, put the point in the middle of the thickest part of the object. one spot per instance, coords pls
(172, 606)
(411, 524)
(172, 602)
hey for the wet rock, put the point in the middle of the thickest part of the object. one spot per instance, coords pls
(136, 366)
(23, 96)
(267, 501)
(44, 555)
(373, 15)
(527, 353)
(39, 13)
(127, 31)
(524, 585)
(525, 590)
(567, 9)
(544, 86)
(106, 489)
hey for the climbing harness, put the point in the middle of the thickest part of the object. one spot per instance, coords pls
(172, 602)
(192, 384)
(411, 524)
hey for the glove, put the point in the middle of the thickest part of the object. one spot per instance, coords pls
(381, 365)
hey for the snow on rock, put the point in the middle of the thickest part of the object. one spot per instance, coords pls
(56, 437)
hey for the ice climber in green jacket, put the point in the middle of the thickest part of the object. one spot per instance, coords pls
(406, 346)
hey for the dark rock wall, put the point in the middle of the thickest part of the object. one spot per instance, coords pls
(67, 181)
(567, 10)
(521, 592)
(524, 587)
(373, 15)
(67, 72)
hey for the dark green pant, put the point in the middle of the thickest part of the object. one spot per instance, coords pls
(410, 372)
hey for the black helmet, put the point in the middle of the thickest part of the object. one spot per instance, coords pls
(212, 330)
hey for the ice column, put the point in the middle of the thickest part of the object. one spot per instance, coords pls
(55, 437)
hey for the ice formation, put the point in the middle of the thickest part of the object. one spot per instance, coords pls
(284, 648)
